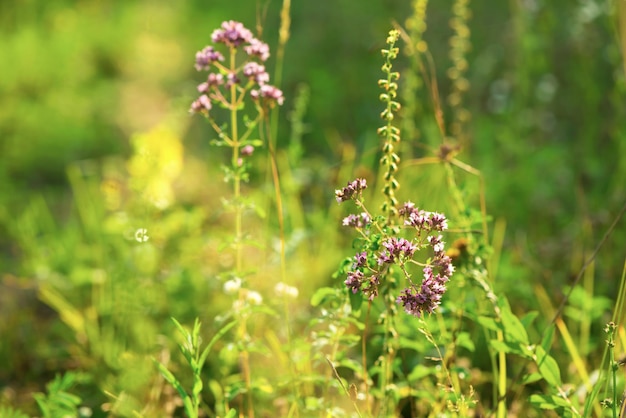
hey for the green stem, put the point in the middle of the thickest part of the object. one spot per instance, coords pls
(236, 143)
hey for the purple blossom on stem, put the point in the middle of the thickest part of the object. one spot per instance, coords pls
(433, 285)
(258, 49)
(444, 263)
(395, 248)
(353, 188)
(436, 243)
(232, 34)
(354, 280)
(206, 57)
(360, 260)
(256, 72)
(231, 78)
(246, 151)
(421, 219)
(429, 296)
(201, 105)
(371, 290)
(357, 221)
(213, 81)
(271, 94)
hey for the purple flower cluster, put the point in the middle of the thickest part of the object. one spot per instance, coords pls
(258, 49)
(352, 189)
(421, 219)
(395, 249)
(437, 272)
(268, 93)
(206, 57)
(356, 279)
(233, 35)
(436, 275)
(357, 221)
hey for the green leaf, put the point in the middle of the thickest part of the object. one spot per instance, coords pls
(419, 372)
(548, 367)
(465, 340)
(591, 398)
(489, 323)
(509, 348)
(215, 339)
(197, 387)
(322, 294)
(255, 142)
(513, 328)
(354, 321)
(356, 300)
(531, 378)
(548, 335)
(8, 412)
(171, 379)
(549, 401)
(529, 318)
(231, 414)
(186, 335)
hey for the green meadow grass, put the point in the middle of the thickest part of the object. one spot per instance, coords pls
(156, 265)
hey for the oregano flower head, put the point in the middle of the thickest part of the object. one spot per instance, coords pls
(373, 262)
(251, 77)
(352, 190)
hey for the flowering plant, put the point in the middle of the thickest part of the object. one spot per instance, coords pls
(382, 250)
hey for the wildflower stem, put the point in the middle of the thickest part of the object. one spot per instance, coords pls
(364, 359)
(235, 144)
(283, 258)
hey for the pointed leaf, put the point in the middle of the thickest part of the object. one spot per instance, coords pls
(513, 327)
(548, 335)
(171, 379)
(321, 294)
(215, 338)
(548, 367)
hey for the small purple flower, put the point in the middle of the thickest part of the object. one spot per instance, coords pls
(407, 208)
(201, 105)
(232, 34)
(258, 49)
(213, 81)
(433, 286)
(270, 93)
(396, 248)
(353, 188)
(206, 57)
(256, 72)
(357, 221)
(354, 280)
(246, 151)
(440, 223)
(444, 264)
(421, 219)
(436, 243)
(412, 302)
(360, 260)
(231, 78)
(371, 290)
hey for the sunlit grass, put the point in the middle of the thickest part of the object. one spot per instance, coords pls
(186, 280)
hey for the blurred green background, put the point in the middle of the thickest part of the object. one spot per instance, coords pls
(80, 79)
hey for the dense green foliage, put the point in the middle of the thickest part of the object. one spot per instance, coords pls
(115, 216)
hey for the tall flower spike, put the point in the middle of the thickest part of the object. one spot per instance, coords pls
(390, 133)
